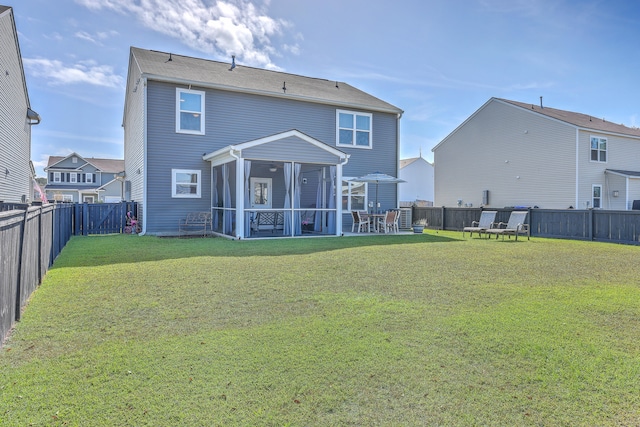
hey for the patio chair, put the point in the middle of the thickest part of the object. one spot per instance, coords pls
(389, 223)
(485, 222)
(515, 226)
(360, 222)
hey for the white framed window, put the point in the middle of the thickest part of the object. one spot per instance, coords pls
(185, 183)
(73, 177)
(353, 129)
(67, 198)
(74, 159)
(598, 149)
(189, 111)
(354, 195)
(596, 196)
(56, 177)
(88, 177)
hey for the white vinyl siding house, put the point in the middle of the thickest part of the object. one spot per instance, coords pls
(418, 176)
(525, 155)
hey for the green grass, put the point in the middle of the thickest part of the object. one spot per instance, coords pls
(408, 330)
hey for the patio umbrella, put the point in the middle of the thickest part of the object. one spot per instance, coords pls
(378, 178)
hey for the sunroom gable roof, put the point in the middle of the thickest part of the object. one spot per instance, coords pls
(232, 152)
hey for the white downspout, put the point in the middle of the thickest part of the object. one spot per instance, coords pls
(577, 167)
(627, 205)
(338, 195)
(239, 195)
(144, 160)
(397, 172)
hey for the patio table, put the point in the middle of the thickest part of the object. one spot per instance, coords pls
(374, 217)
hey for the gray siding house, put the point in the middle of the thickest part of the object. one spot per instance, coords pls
(74, 178)
(266, 152)
(16, 117)
(511, 153)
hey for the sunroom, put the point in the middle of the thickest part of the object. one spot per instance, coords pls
(283, 185)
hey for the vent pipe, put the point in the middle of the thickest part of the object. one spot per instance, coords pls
(541, 103)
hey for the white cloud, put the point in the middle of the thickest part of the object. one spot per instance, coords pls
(82, 72)
(85, 36)
(223, 28)
(76, 136)
(101, 35)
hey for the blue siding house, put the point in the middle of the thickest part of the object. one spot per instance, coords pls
(77, 179)
(16, 117)
(266, 152)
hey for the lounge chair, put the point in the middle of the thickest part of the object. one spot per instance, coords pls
(515, 226)
(485, 222)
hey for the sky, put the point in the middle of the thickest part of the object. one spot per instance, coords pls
(437, 60)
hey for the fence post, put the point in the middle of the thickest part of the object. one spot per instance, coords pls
(443, 213)
(590, 219)
(19, 275)
(85, 219)
(76, 223)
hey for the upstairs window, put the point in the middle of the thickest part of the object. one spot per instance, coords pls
(88, 177)
(189, 111)
(56, 177)
(354, 129)
(73, 177)
(185, 183)
(598, 149)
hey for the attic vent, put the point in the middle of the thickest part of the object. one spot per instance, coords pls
(74, 160)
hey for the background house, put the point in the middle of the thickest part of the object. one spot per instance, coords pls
(237, 141)
(74, 178)
(418, 188)
(511, 153)
(16, 117)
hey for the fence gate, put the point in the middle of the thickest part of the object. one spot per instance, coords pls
(102, 218)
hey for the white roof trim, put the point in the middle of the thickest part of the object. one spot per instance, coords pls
(227, 153)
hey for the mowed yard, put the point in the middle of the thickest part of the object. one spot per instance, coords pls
(415, 330)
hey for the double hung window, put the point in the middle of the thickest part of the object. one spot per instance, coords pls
(185, 183)
(598, 149)
(354, 129)
(189, 111)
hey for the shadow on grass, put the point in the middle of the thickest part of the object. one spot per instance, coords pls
(124, 249)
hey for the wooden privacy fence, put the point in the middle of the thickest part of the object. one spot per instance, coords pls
(31, 237)
(30, 240)
(591, 224)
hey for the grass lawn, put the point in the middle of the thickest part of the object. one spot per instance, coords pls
(408, 330)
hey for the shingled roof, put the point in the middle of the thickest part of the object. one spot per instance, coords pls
(164, 66)
(578, 119)
(104, 165)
